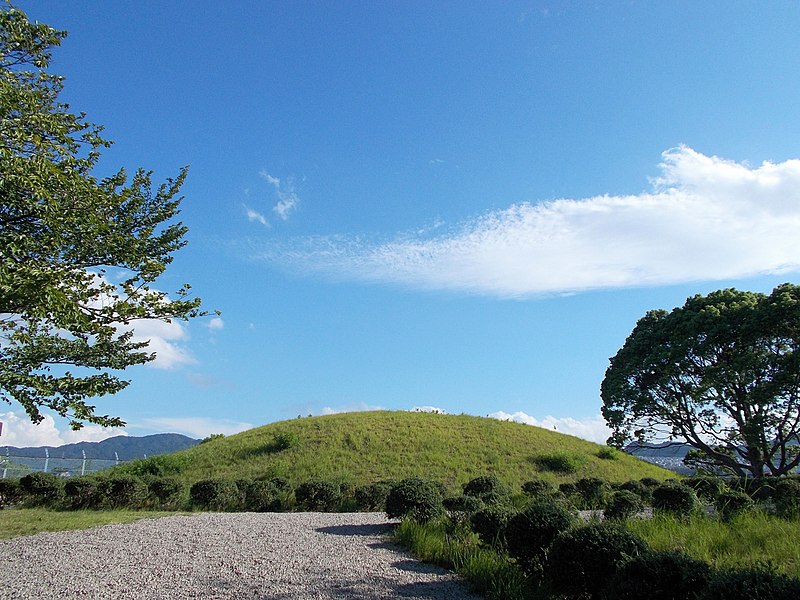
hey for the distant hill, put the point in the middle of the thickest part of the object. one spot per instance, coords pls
(126, 447)
(669, 455)
(366, 447)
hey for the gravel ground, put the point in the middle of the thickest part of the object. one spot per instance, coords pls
(224, 555)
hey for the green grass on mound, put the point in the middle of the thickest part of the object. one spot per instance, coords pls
(365, 447)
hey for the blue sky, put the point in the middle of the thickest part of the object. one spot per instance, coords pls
(462, 205)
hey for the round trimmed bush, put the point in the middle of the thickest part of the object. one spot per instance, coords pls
(676, 499)
(372, 497)
(42, 489)
(752, 584)
(660, 576)
(730, 503)
(318, 495)
(530, 533)
(417, 498)
(10, 492)
(707, 488)
(623, 504)
(81, 493)
(787, 498)
(583, 560)
(262, 496)
(166, 490)
(490, 524)
(538, 488)
(125, 491)
(215, 494)
(638, 488)
(592, 492)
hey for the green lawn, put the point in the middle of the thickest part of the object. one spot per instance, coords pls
(29, 521)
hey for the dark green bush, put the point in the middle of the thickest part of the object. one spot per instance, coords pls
(650, 482)
(752, 584)
(318, 495)
(758, 488)
(167, 491)
(538, 488)
(262, 496)
(676, 499)
(560, 461)
(10, 492)
(591, 492)
(787, 498)
(490, 524)
(637, 487)
(707, 488)
(215, 495)
(285, 440)
(730, 503)
(372, 497)
(486, 486)
(82, 492)
(462, 504)
(42, 489)
(623, 504)
(417, 498)
(660, 576)
(583, 560)
(608, 453)
(530, 533)
(124, 491)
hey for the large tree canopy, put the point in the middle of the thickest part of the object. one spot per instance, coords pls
(721, 373)
(78, 255)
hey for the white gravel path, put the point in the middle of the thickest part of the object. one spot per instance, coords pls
(224, 555)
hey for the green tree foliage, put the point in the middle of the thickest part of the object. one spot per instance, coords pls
(65, 235)
(722, 373)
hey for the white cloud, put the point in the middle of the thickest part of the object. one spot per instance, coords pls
(705, 218)
(164, 339)
(348, 408)
(197, 427)
(287, 203)
(429, 409)
(216, 324)
(253, 215)
(20, 432)
(270, 179)
(594, 429)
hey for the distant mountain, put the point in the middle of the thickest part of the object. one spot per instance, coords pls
(669, 455)
(126, 447)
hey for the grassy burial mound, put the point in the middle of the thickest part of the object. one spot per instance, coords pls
(366, 447)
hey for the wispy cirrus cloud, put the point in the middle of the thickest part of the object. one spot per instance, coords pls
(254, 215)
(703, 218)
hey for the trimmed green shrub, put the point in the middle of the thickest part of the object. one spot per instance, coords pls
(125, 491)
(372, 497)
(623, 504)
(42, 489)
(660, 576)
(462, 504)
(10, 492)
(676, 499)
(318, 495)
(538, 488)
(592, 492)
(608, 453)
(417, 498)
(285, 440)
(81, 493)
(650, 482)
(490, 524)
(707, 488)
(167, 491)
(637, 487)
(583, 560)
(730, 503)
(787, 498)
(262, 496)
(560, 461)
(488, 488)
(752, 584)
(530, 533)
(215, 495)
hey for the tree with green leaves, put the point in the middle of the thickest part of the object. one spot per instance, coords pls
(78, 255)
(721, 373)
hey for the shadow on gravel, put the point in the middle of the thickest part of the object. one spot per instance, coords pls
(356, 530)
(415, 566)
